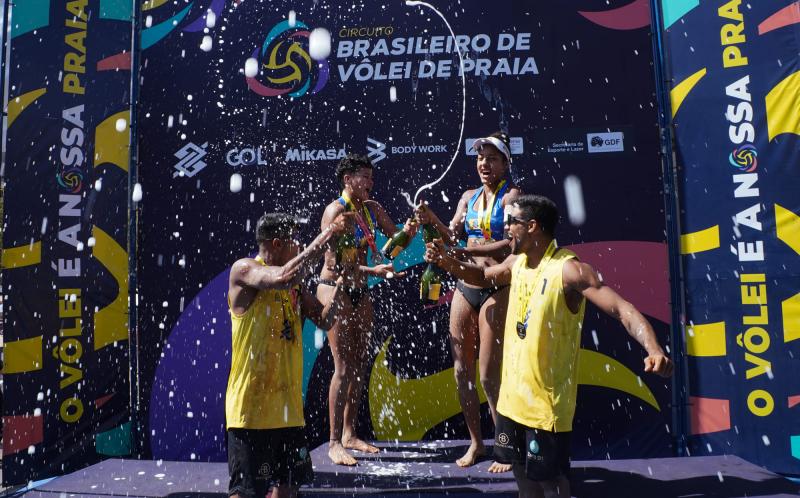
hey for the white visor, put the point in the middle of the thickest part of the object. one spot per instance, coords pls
(477, 144)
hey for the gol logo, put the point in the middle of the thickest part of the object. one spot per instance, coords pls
(744, 158)
(285, 66)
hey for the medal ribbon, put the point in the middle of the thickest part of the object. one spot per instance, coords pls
(523, 301)
(485, 217)
(368, 230)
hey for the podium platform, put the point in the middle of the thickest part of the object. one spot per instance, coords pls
(427, 469)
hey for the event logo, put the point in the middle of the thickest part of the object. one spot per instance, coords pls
(285, 65)
(305, 154)
(71, 179)
(605, 142)
(190, 160)
(247, 156)
(375, 150)
(744, 158)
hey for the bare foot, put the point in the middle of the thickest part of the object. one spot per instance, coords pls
(339, 455)
(471, 455)
(498, 468)
(357, 444)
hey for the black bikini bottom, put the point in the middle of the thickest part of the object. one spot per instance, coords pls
(477, 297)
(354, 293)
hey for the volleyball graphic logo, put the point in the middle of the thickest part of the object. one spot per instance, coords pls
(744, 158)
(284, 63)
(71, 179)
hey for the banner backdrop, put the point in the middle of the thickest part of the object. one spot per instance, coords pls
(735, 97)
(65, 263)
(572, 84)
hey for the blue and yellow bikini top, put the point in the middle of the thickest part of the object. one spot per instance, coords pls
(486, 223)
(362, 239)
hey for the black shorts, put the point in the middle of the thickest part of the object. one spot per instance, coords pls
(261, 458)
(544, 453)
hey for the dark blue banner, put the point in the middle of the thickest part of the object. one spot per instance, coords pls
(735, 91)
(65, 263)
(241, 114)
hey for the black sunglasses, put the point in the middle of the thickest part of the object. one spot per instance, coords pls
(510, 220)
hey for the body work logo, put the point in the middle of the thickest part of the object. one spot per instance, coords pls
(375, 150)
(284, 65)
(605, 142)
(744, 158)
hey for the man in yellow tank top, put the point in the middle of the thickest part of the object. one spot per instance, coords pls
(538, 387)
(264, 399)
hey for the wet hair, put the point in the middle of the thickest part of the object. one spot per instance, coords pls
(541, 209)
(275, 226)
(350, 164)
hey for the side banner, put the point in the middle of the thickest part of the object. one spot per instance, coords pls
(65, 268)
(240, 114)
(735, 94)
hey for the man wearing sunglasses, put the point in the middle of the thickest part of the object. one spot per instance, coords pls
(538, 386)
(264, 399)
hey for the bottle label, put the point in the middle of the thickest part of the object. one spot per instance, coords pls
(433, 292)
(397, 250)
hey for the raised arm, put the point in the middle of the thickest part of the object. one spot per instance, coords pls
(580, 279)
(450, 234)
(495, 275)
(249, 273)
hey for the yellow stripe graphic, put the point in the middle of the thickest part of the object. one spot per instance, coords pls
(23, 356)
(791, 318)
(783, 103)
(110, 145)
(682, 89)
(152, 4)
(706, 339)
(111, 322)
(788, 227)
(406, 409)
(18, 104)
(597, 369)
(18, 257)
(703, 240)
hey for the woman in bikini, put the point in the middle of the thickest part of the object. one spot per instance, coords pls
(349, 337)
(476, 317)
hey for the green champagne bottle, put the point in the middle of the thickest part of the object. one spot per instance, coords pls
(346, 252)
(430, 285)
(395, 244)
(430, 233)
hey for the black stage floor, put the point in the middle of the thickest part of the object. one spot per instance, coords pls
(427, 469)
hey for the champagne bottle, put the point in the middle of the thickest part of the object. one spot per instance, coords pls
(395, 244)
(346, 253)
(430, 233)
(430, 285)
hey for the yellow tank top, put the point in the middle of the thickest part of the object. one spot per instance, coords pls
(265, 387)
(539, 382)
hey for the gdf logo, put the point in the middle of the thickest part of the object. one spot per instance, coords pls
(246, 157)
(605, 142)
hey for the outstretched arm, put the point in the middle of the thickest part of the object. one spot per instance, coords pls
(580, 278)
(495, 275)
(248, 273)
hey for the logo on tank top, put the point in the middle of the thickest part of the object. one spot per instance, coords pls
(264, 470)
